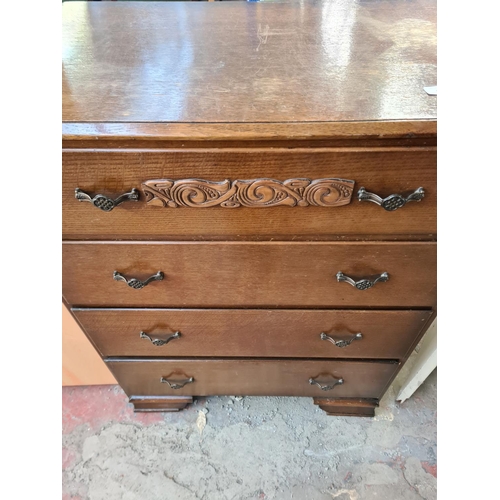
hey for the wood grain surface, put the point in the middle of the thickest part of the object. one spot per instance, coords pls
(252, 377)
(276, 62)
(383, 171)
(249, 274)
(252, 333)
(408, 133)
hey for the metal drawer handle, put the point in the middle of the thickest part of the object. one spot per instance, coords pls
(160, 342)
(134, 282)
(340, 343)
(176, 385)
(339, 381)
(362, 284)
(392, 202)
(104, 202)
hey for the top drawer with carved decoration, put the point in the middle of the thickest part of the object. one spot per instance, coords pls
(256, 194)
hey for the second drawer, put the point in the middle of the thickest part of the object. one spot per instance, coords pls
(252, 333)
(249, 274)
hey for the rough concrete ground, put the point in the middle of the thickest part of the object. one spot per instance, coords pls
(248, 448)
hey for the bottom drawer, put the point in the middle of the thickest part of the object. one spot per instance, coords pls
(253, 377)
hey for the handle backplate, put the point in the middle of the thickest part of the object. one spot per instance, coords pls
(340, 343)
(179, 384)
(106, 203)
(136, 283)
(159, 342)
(364, 283)
(327, 387)
(393, 201)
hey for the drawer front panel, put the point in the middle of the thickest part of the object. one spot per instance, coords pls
(383, 171)
(252, 333)
(254, 377)
(249, 274)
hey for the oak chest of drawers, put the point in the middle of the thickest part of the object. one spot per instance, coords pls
(249, 195)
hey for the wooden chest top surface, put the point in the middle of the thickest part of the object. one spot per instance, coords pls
(248, 63)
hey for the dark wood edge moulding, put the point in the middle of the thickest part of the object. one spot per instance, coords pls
(83, 135)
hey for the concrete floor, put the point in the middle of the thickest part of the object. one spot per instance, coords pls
(247, 448)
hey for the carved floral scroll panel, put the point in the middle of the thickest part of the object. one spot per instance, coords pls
(170, 193)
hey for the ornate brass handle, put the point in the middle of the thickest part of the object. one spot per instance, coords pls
(340, 343)
(104, 202)
(134, 282)
(362, 284)
(160, 342)
(338, 381)
(392, 202)
(176, 385)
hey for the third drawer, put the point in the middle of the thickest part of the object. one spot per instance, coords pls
(252, 333)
